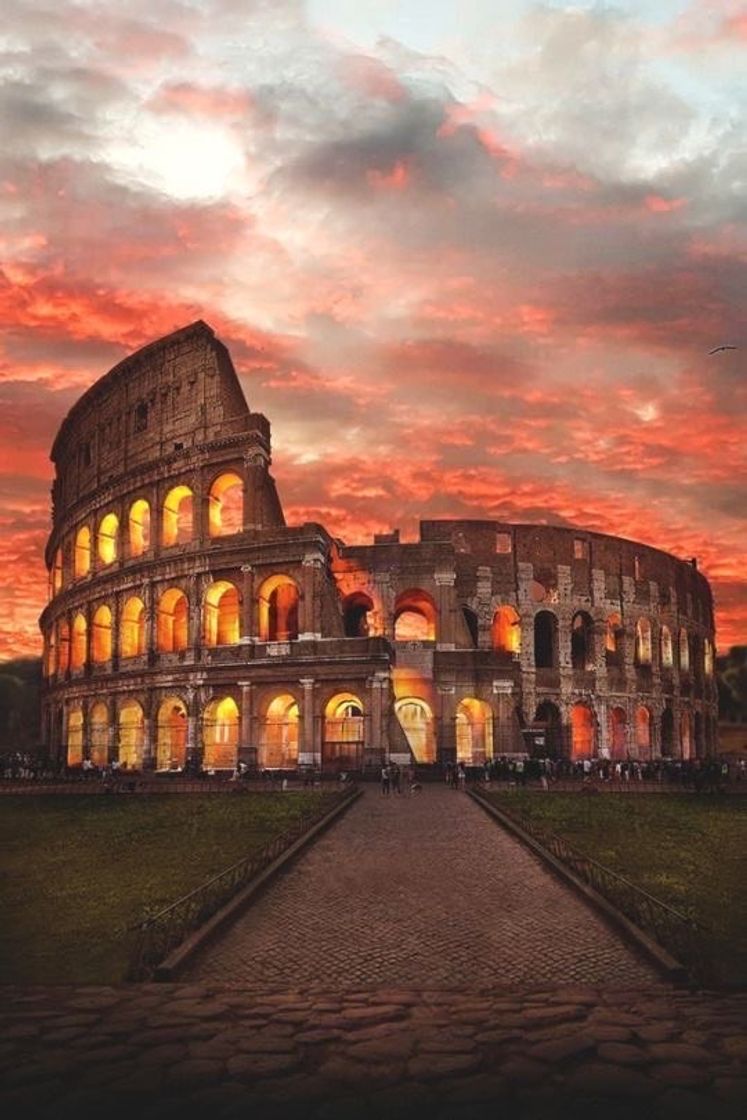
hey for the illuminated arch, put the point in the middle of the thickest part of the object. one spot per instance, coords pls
(355, 610)
(343, 732)
(278, 609)
(75, 737)
(132, 628)
(684, 645)
(131, 735)
(172, 621)
(63, 646)
(416, 720)
(101, 636)
(177, 526)
(545, 640)
(98, 721)
(107, 539)
(79, 642)
(220, 621)
(220, 734)
(582, 731)
(643, 641)
(171, 741)
(643, 730)
(82, 552)
(139, 527)
(414, 617)
(667, 655)
(51, 653)
(57, 572)
(474, 732)
(708, 657)
(226, 505)
(278, 749)
(613, 640)
(506, 630)
(582, 641)
(618, 733)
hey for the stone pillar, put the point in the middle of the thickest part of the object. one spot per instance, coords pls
(375, 723)
(248, 629)
(308, 755)
(195, 613)
(446, 724)
(194, 745)
(149, 598)
(485, 607)
(310, 620)
(445, 626)
(384, 623)
(149, 751)
(63, 748)
(503, 725)
(247, 746)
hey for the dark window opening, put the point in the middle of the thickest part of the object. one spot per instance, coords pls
(471, 620)
(545, 644)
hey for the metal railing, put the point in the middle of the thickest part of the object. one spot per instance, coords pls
(683, 938)
(160, 933)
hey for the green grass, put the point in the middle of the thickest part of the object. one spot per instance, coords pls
(76, 871)
(688, 851)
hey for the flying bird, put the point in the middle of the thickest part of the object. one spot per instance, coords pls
(717, 349)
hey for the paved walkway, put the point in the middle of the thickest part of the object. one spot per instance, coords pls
(426, 892)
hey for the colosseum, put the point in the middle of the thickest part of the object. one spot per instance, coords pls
(189, 626)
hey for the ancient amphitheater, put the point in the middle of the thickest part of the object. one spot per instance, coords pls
(188, 624)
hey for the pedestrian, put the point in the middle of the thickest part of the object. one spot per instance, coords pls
(396, 778)
(385, 780)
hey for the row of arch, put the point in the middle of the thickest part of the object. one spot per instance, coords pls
(111, 540)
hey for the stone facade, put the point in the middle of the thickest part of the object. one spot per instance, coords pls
(188, 623)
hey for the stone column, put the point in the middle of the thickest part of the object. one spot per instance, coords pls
(445, 625)
(308, 755)
(446, 726)
(247, 746)
(384, 623)
(149, 754)
(194, 746)
(485, 607)
(310, 620)
(195, 614)
(503, 725)
(149, 598)
(248, 630)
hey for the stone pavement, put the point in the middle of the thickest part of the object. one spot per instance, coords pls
(419, 892)
(171, 1052)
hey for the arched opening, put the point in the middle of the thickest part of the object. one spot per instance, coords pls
(545, 640)
(171, 741)
(613, 641)
(686, 739)
(98, 721)
(82, 552)
(506, 631)
(101, 644)
(131, 735)
(667, 655)
(75, 737)
(342, 747)
(643, 731)
(548, 714)
(414, 617)
(51, 653)
(63, 646)
(472, 625)
(132, 628)
(172, 621)
(226, 505)
(582, 731)
(684, 651)
(278, 610)
(355, 610)
(643, 642)
(107, 538)
(416, 720)
(582, 641)
(474, 732)
(279, 739)
(618, 733)
(221, 614)
(57, 572)
(178, 516)
(708, 657)
(667, 733)
(220, 734)
(139, 526)
(79, 642)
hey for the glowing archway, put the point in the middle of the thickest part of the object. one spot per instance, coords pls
(643, 642)
(506, 630)
(643, 731)
(132, 628)
(220, 734)
(415, 617)
(667, 655)
(613, 640)
(82, 552)
(101, 637)
(99, 724)
(107, 538)
(172, 621)
(618, 733)
(582, 731)
(416, 720)
(278, 609)
(279, 735)
(474, 732)
(79, 643)
(171, 742)
(139, 526)
(177, 526)
(75, 737)
(684, 651)
(221, 614)
(131, 735)
(343, 737)
(63, 646)
(226, 505)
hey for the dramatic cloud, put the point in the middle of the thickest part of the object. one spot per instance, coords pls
(467, 267)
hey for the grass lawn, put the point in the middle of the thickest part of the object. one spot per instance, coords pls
(688, 851)
(76, 871)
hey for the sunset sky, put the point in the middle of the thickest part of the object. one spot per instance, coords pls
(469, 259)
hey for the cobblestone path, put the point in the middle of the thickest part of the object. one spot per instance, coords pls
(426, 892)
(177, 1051)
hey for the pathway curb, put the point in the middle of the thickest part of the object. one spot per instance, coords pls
(668, 965)
(168, 969)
